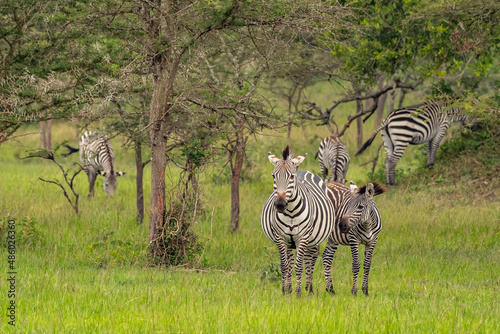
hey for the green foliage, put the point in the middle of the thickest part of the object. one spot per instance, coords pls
(272, 271)
(196, 149)
(419, 37)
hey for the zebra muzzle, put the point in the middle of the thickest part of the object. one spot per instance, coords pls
(280, 203)
(344, 224)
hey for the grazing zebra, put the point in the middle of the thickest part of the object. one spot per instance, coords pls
(358, 222)
(97, 155)
(297, 215)
(333, 156)
(423, 123)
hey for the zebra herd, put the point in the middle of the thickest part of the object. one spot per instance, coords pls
(304, 209)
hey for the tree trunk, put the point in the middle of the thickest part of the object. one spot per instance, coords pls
(48, 135)
(359, 122)
(379, 115)
(236, 168)
(43, 129)
(390, 100)
(161, 103)
(139, 166)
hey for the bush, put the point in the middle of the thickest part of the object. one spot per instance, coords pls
(176, 244)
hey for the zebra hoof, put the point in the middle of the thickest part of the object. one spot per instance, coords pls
(365, 292)
(299, 292)
(330, 290)
(286, 290)
(354, 292)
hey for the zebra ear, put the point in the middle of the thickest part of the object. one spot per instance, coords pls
(298, 160)
(370, 190)
(120, 173)
(102, 173)
(274, 159)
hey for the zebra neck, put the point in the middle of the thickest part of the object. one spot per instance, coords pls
(455, 115)
(107, 166)
(295, 201)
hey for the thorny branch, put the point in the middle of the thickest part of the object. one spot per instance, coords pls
(316, 113)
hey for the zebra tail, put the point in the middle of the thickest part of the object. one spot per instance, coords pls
(366, 144)
(71, 150)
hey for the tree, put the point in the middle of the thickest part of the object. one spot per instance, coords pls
(172, 36)
(48, 62)
(409, 42)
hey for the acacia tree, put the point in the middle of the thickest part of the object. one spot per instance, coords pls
(48, 62)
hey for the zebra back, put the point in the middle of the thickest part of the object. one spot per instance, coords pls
(426, 118)
(96, 151)
(333, 156)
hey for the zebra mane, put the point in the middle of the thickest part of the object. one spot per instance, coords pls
(377, 187)
(287, 153)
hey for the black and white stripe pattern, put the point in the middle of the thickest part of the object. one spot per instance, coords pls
(97, 155)
(424, 123)
(298, 214)
(333, 156)
(358, 222)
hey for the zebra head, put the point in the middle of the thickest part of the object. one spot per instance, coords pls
(458, 115)
(359, 207)
(110, 181)
(284, 174)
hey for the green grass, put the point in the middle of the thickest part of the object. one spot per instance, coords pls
(435, 269)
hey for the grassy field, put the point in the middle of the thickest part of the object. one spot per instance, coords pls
(435, 269)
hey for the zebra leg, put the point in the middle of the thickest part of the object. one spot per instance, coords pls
(328, 254)
(312, 256)
(289, 270)
(91, 174)
(324, 171)
(355, 266)
(366, 265)
(299, 264)
(390, 170)
(430, 154)
(433, 146)
(285, 267)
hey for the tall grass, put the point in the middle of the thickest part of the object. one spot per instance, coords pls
(435, 269)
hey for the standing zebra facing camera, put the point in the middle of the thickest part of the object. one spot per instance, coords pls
(297, 215)
(358, 222)
(423, 123)
(97, 155)
(333, 156)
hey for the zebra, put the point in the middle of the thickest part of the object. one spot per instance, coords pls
(297, 215)
(352, 186)
(358, 222)
(423, 123)
(333, 156)
(97, 155)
